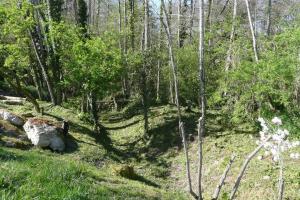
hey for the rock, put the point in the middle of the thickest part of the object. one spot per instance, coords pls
(9, 144)
(125, 171)
(27, 115)
(43, 133)
(12, 100)
(12, 118)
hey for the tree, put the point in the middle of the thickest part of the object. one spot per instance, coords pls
(202, 95)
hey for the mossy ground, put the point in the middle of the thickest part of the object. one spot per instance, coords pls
(87, 169)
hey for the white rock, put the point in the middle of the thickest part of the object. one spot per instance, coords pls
(43, 134)
(11, 118)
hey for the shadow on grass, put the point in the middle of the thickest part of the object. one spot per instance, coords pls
(122, 127)
(145, 181)
(8, 156)
(101, 138)
(166, 136)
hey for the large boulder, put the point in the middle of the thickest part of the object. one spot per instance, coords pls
(43, 133)
(11, 118)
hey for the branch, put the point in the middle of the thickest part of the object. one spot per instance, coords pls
(224, 7)
(249, 157)
(222, 180)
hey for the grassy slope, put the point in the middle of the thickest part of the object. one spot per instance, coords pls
(85, 171)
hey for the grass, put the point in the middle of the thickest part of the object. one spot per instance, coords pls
(86, 169)
(39, 175)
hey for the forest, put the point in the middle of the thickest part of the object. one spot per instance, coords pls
(150, 99)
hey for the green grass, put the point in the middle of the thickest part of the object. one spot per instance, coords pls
(38, 175)
(86, 169)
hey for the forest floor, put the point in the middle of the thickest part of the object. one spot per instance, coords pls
(89, 167)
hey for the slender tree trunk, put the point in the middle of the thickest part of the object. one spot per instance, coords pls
(132, 23)
(280, 179)
(252, 31)
(94, 111)
(126, 81)
(224, 7)
(192, 14)
(44, 71)
(201, 125)
(144, 69)
(159, 58)
(120, 26)
(229, 52)
(54, 56)
(158, 81)
(179, 23)
(269, 17)
(36, 82)
(208, 20)
(180, 123)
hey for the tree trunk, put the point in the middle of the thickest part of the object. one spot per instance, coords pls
(144, 69)
(54, 55)
(229, 52)
(36, 82)
(252, 31)
(179, 22)
(180, 123)
(94, 112)
(208, 20)
(201, 125)
(44, 71)
(132, 23)
(269, 17)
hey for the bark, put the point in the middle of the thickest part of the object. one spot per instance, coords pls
(244, 167)
(192, 14)
(223, 178)
(120, 25)
(224, 7)
(132, 23)
(158, 81)
(36, 82)
(179, 23)
(229, 52)
(180, 123)
(208, 20)
(126, 78)
(252, 31)
(201, 125)
(159, 58)
(43, 69)
(280, 180)
(144, 69)
(94, 112)
(54, 56)
(269, 17)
